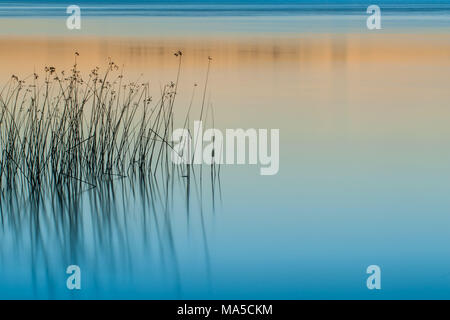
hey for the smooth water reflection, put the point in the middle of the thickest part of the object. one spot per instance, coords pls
(125, 234)
(364, 176)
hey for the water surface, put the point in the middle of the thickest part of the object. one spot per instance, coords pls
(364, 157)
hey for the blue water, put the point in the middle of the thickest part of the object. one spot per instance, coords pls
(189, 18)
(220, 8)
(337, 205)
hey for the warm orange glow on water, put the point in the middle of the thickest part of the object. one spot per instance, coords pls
(311, 85)
(21, 54)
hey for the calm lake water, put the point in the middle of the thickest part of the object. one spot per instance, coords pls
(364, 156)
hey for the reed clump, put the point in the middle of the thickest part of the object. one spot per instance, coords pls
(65, 128)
